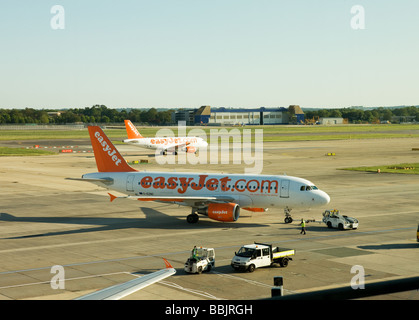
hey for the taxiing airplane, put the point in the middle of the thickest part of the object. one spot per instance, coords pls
(122, 290)
(218, 196)
(164, 144)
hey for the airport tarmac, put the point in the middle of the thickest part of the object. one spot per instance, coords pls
(47, 220)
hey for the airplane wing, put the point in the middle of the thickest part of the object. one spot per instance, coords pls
(119, 291)
(176, 198)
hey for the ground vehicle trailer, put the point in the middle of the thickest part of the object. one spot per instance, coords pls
(201, 259)
(333, 219)
(257, 255)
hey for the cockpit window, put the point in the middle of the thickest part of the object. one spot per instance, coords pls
(308, 188)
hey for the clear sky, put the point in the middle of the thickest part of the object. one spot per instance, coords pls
(188, 53)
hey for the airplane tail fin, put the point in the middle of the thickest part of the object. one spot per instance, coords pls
(132, 131)
(108, 158)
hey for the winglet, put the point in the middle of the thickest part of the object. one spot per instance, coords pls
(132, 131)
(168, 265)
(112, 196)
(108, 158)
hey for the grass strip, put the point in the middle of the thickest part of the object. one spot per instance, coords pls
(404, 168)
(5, 151)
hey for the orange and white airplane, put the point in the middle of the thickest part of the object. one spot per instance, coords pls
(218, 196)
(164, 144)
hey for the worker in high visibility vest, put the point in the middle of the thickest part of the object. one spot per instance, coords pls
(303, 227)
(194, 253)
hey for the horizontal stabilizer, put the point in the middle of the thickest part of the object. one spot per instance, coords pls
(104, 180)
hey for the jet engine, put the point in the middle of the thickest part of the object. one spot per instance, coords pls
(226, 212)
(190, 149)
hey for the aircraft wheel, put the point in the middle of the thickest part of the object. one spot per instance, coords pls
(192, 218)
(288, 220)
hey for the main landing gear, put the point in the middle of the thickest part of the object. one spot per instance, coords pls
(288, 218)
(164, 152)
(193, 217)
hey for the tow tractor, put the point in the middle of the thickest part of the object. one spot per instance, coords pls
(252, 256)
(333, 219)
(201, 259)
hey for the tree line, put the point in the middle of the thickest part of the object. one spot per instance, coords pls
(102, 114)
(95, 114)
(360, 115)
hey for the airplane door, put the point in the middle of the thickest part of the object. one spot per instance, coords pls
(285, 187)
(130, 182)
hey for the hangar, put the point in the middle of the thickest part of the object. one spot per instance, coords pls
(206, 115)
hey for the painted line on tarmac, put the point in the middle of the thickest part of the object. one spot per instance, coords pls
(66, 279)
(303, 238)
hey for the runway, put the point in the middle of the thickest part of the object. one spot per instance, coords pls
(47, 220)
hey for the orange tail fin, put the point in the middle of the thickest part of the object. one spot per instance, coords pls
(108, 158)
(132, 131)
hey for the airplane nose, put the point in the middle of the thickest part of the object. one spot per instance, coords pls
(324, 198)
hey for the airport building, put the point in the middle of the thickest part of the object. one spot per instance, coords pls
(331, 121)
(239, 116)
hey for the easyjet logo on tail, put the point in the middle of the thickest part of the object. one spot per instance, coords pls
(110, 151)
(107, 157)
(133, 132)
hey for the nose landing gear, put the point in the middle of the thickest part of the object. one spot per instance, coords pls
(288, 218)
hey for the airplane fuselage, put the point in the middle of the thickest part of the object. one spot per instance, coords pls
(165, 143)
(251, 191)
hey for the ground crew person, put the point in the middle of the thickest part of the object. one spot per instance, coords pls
(303, 226)
(193, 253)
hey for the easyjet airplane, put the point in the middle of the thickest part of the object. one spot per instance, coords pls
(164, 144)
(218, 196)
